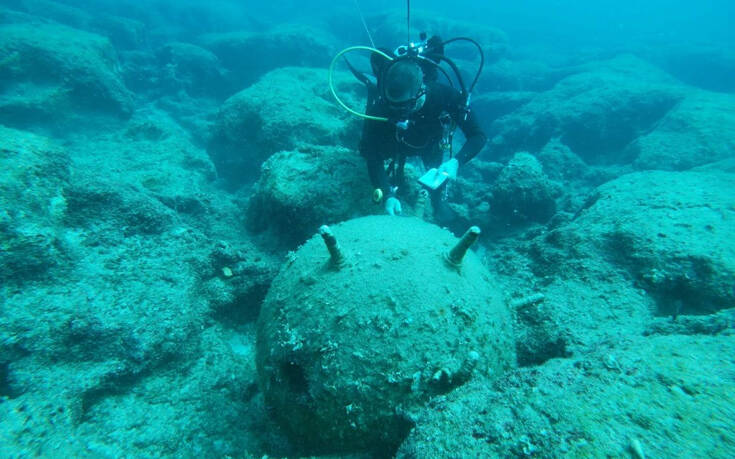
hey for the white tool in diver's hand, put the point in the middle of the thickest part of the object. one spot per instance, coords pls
(433, 179)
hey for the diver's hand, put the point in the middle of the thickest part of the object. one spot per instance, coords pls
(393, 206)
(449, 168)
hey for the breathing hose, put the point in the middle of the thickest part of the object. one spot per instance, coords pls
(331, 80)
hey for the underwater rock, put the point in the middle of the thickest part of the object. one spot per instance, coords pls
(11, 16)
(521, 75)
(596, 113)
(286, 109)
(575, 177)
(90, 201)
(699, 130)
(123, 32)
(111, 306)
(141, 179)
(347, 352)
(191, 68)
(52, 74)
(487, 107)
(469, 196)
(538, 334)
(33, 176)
(565, 407)
(237, 280)
(561, 164)
(707, 66)
(674, 232)
(249, 55)
(58, 12)
(300, 190)
(523, 192)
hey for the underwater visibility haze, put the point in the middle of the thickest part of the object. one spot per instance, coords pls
(367, 229)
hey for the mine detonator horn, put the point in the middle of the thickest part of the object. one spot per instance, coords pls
(336, 255)
(455, 256)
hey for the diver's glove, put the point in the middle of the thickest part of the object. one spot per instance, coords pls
(392, 206)
(449, 168)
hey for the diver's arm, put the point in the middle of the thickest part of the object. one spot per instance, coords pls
(475, 139)
(370, 144)
(376, 171)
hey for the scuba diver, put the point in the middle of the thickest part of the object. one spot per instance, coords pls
(411, 114)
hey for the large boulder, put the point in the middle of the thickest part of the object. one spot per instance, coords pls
(123, 32)
(699, 130)
(565, 408)
(287, 108)
(501, 198)
(348, 352)
(34, 174)
(523, 192)
(488, 107)
(153, 154)
(188, 67)
(596, 113)
(707, 66)
(673, 232)
(184, 79)
(250, 55)
(51, 75)
(300, 190)
(523, 73)
(121, 276)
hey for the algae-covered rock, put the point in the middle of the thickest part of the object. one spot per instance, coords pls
(191, 68)
(708, 66)
(53, 74)
(498, 197)
(674, 232)
(142, 178)
(287, 108)
(596, 113)
(121, 296)
(123, 32)
(33, 175)
(699, 130)
(487, 107)
(523, 73)
(249, 55)
(238, 279)
(522, 192)
(300, 190)
(608, 403)
(346, 355)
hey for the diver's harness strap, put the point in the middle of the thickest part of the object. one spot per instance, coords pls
(448, 126)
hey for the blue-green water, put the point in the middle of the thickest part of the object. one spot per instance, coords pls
(165, 287)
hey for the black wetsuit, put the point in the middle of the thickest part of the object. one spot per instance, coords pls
(384, 140)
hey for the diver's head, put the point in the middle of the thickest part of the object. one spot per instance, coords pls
(403, 86)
